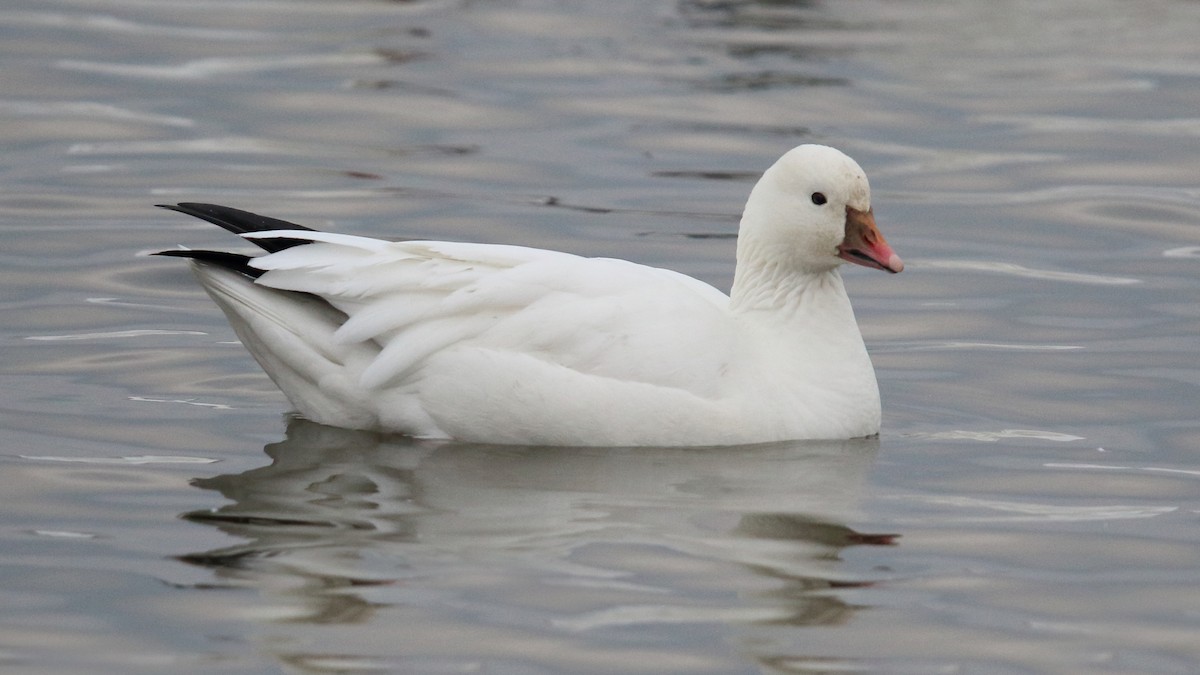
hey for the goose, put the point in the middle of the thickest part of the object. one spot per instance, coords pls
(503, 344)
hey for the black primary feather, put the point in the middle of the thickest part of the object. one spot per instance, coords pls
(236, 221)
(230, 261)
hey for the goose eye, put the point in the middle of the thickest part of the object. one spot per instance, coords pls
(818, 198)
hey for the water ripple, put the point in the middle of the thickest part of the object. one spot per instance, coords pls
(937, 346)
(631, 615)
(88, 109)
(103, 23)
(1113, 467)
(993, 436)
(1175, 128)
(206, 68)
(112, 334)
(199, 404)
(194, 146)
(139, 459)
(1066, 193)
(1028, 272)
(1020, 511)
(1182, 252)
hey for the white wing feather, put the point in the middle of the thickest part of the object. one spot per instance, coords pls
(595, 316)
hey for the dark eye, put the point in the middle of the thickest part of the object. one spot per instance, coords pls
(818, 198)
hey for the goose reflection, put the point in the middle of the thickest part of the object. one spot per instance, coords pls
(342, 525)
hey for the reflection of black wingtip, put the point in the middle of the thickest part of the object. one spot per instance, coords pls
(866, 539)
(257, 520)
(232, 560)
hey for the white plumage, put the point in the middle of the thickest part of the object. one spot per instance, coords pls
(507, 344)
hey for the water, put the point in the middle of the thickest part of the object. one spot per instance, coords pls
(1030, 507)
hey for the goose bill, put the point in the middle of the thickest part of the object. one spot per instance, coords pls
(864, 245)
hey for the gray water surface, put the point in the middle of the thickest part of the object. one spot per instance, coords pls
(1031, 506)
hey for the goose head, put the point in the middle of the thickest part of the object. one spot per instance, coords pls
(809, 213)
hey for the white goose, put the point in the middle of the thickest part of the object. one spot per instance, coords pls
(506, 344)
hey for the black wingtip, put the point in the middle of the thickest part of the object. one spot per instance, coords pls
(238, 221)
(235, 262)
